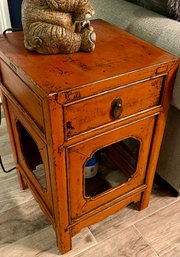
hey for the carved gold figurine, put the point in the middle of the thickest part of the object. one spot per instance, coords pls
(58, 26)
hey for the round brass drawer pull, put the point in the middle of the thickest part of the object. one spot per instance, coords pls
(116, 108)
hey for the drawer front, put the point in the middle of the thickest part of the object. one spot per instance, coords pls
(107, 107)
(23, 94)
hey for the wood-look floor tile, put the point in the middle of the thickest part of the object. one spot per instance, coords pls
(129, 216)
(162, 229)
(11, 194)
(173, 253)
(80, 242)
(126, 243)
(3, 127)
(5, 147)
(7, 165)
(30, 245)
(21, 221)
(43, 244)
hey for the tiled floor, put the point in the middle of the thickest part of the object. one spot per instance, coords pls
(25, 231)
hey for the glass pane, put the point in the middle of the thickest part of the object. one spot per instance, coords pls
(31, 154)
(111, 166)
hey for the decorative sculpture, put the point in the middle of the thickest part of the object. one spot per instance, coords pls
(58, 26)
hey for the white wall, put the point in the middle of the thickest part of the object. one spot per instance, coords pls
(4, 16)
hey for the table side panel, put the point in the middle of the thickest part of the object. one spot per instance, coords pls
(23, 163)
(31, 103)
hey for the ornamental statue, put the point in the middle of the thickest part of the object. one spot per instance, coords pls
(58, 26)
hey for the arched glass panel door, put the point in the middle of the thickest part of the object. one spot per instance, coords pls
(111, 166)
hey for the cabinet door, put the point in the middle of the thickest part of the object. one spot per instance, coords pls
(121, 164)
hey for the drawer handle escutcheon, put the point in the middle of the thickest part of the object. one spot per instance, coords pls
(116, 108)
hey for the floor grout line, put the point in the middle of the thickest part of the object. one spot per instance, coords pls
(92, 234)
(154, 212)
(171, 250)
(134, 223)
(147, 242)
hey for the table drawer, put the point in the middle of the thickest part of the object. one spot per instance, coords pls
(23, 95)
(101, 109)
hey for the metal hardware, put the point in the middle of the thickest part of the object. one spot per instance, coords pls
(116, 108)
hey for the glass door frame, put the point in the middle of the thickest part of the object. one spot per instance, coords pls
(78, 154)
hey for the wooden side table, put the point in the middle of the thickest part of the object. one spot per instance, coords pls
(64, 110)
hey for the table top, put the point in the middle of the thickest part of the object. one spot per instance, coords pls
(117, 52)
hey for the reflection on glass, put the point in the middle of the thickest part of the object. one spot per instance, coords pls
(114, 166)
(31, 154)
